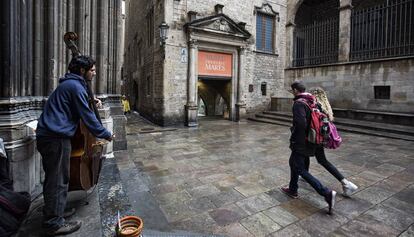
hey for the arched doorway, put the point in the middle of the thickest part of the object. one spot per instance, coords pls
(316, 34)
(214, 97)
(202, 108)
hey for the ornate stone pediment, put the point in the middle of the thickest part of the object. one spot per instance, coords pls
(220, 24)
(266, 9)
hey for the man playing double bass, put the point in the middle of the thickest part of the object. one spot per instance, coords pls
(56, 126)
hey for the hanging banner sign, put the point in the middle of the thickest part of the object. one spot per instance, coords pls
(214, 64)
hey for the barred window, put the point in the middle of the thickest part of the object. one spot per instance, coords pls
(382, 92)
(382, 29)
(150, 27)
(316, 35)
(265, 27)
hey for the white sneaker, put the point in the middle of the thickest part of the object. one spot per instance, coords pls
(348, 188)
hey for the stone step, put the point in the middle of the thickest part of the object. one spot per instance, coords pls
(384, 127)
(271, 121)
(374, 133)
(282, 118)
(376, 116)
(349, 125)
(155, 233)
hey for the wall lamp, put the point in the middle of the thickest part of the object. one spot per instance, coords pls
(163, 33)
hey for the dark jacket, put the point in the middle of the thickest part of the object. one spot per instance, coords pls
(300, 125)
(65, 107)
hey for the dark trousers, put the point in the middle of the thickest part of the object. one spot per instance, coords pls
(297, 167)
(5, 180)
(56, 161)
(321, 158)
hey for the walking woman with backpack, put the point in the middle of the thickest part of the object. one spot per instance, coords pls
(306, 140)
(322, 100)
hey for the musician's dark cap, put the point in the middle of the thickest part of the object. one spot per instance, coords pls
(298, 85)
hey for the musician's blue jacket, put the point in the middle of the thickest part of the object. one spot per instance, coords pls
(67, 104)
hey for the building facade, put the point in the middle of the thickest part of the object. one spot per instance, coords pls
(236, 57)
(360, 51)
(34, 56)
(222, 59)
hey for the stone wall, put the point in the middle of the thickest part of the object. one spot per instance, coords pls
(351, 85)
(144, 58)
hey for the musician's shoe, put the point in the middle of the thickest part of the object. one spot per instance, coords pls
(67, 228)
(69, 212)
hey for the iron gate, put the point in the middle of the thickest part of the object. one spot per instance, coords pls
(316, 43)
(383, 31)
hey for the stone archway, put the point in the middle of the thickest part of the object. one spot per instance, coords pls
(294, 5)
(213, 93)
(310, 21)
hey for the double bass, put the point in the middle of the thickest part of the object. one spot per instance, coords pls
(86, 156)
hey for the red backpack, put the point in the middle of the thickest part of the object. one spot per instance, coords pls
(318, 128)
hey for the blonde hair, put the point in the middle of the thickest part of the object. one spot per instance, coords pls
(322, 98)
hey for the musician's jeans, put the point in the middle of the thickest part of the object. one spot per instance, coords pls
(56, 161)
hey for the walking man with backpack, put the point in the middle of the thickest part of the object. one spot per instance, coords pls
(301, 149)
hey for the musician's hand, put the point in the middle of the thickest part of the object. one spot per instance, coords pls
(111, 137)
(98, 102)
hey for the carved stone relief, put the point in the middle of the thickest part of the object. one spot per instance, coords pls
(221, 25)
(267, 9)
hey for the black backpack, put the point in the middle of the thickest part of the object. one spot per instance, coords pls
(13, 208)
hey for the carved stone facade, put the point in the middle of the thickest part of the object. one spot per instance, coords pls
(33, 57)
(164, 82)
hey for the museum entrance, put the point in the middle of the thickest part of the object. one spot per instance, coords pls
(214, 86)
(214, 98)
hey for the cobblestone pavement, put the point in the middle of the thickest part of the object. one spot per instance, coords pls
(224, 177)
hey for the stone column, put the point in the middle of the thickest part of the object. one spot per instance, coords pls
(110, 68)
(191, 106)
(6, 74)
(241, 104)
(94, 36)
(51, 44)
(119, 47)
(290, 28)
(39, 48)
(345, 10)
(87, 27)
(79, 24)
(26, 52)
(102, 54)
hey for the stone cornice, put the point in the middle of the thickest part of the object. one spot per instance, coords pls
(267, 9)
(346, 7)
(219, 24)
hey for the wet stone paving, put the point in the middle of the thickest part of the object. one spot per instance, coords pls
(223, 178)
